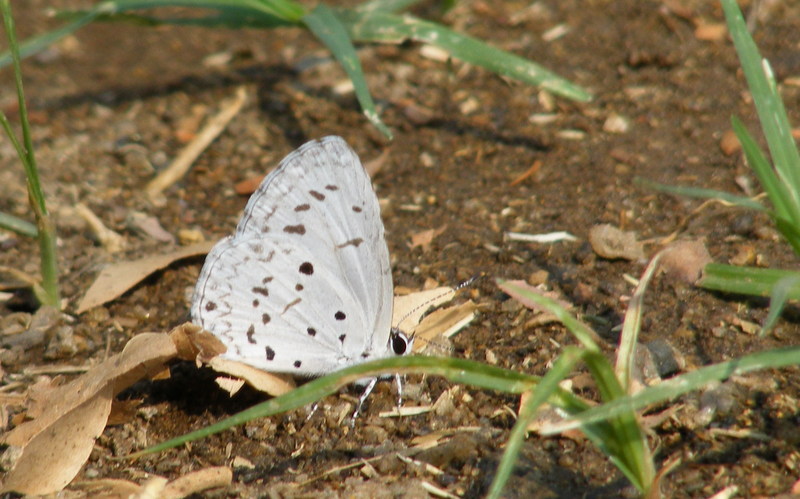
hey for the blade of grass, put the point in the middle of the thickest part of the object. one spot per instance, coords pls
(547, 386)
(769, 105)
(250, 13)
(780, 295)
(48, 292)
(624, 441)
(699, 192)
(232, 18)
(325, 24)
(746, 280)
(387, 27)
(457, 370)
(628, 448)
(38, 43)
(631, 326)
(17, 225)
(385, 5)
(775, 189)
(679, 385)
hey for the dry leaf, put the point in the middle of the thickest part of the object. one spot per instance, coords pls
(195, 344)
(52, 458)
(118, 278)
(144, 354)
(198, 481)
(414, 305)
(610, 242)
(108, 488)
(426, 237)
(271, 383)
(685, 260)
(55, 445)
(445, 322)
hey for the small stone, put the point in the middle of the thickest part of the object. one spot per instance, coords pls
(729, 143)
(616, 124)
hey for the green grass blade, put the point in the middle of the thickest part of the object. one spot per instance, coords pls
(38, 43)
(790, 231)
(387, 27)
(386, 5)
(231, 18)
(287, 10)
(769, 105)
(631, 326)
(457, 370)
(48, 292)
(622, 440)
(780, 295)
(775, 189)
(679, 385)
(746, 280)
(325, 24)
(249, 13)
(627, 448)
(547, 386)
(17, 225)
(699, 192)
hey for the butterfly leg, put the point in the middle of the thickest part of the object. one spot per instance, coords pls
(363, 398)
(399, 380)
(312, 411)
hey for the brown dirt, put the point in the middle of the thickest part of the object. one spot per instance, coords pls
(106, 106)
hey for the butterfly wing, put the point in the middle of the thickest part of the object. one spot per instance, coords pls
(304, 285)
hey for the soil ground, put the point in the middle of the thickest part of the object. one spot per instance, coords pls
(108, 109)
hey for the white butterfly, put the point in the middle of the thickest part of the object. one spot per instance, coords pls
(304, 286)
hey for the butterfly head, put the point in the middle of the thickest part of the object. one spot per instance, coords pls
(399, 342)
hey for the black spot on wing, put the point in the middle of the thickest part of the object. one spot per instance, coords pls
(353, 242)
(251, 331)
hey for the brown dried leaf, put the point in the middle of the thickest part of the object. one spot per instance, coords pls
(52, 458)
(426, 237)
(685, 260)
(109, 488)
(610, 242)
(195, 344)
(445, 322)
(118, 278)
(144, 354)
(271, 383)
(198, 481)
(412, 307)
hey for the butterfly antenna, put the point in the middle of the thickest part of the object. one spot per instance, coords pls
(427, 303)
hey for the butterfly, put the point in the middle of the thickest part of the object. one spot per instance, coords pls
(304, 285)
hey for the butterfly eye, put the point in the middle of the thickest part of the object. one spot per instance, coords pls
(400, 342)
